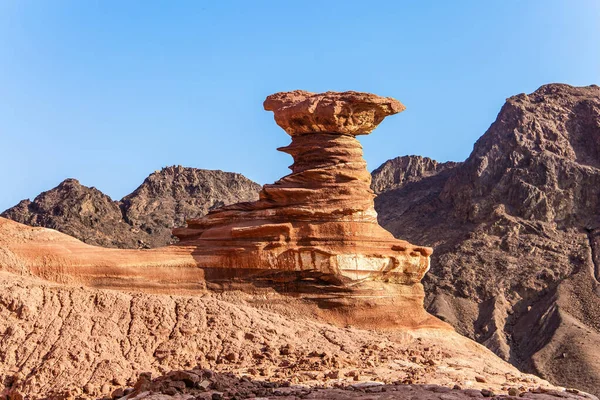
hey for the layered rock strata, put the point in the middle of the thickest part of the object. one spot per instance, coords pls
(69, 342)
(313, 234)
(321, 217)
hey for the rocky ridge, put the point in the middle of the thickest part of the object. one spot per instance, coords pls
(515, 232)
(400, 171)
(142, 219)
(500, 293)
(245, 311)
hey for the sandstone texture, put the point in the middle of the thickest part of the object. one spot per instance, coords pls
(142, 219)
(321, 217)
(313, 234)
(515, 230)
(65, 341)
(317, 226)
(346, 113)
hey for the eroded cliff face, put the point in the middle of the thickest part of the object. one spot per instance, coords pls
(514, 229)
(142, 219)
(317, 225)
(321, 217)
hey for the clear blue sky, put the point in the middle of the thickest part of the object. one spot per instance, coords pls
(109, 91)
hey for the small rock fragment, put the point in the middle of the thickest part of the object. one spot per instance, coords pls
(117, 393)
(204, 385)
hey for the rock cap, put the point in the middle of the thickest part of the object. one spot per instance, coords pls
(346, 113)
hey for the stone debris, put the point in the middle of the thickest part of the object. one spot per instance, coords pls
(177, 385)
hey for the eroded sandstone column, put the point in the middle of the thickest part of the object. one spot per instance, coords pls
(311, 242)
(321, 217)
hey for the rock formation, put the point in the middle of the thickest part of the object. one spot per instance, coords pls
(400, 171)
(309, 257)
(314, 233)
(515, 229)
(168, 197)
(64, 341)
(318, 224)
(527, 193)
(79, 211)
(142, 219)
(321, 217)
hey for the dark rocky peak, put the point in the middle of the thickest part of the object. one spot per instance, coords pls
(516, 234)
(399, 171)
(167, 198)
(170, 181)
(556, 118)
(69, 198)
(540, 156)
(143, 218)
(77, 210)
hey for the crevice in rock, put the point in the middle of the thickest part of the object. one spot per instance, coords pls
(593, 236)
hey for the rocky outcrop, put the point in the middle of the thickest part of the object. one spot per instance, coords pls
(170, 196)
(321, 217)
(71, 339)
(319, 221)
(513, 229)
(206, 384)
(399, 171)
(65, 341)
(233, 305)
(142, 219)
(314, 233)
(79, 211)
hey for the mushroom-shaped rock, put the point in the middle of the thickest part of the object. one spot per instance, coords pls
(317, 225)
(312, 234)
(348, 113)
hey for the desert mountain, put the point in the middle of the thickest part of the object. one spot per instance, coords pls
(516, 232)
(141, 219)
(400, 171)
(300, 291)
(515, 229)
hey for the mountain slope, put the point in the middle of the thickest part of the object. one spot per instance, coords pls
(400, 171)
(166, 199)
(141, 219)
(79, 211)
(515, 231)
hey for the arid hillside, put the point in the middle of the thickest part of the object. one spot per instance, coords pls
(142, 219)
(515, 228)
(516, 233)
(64, 340)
